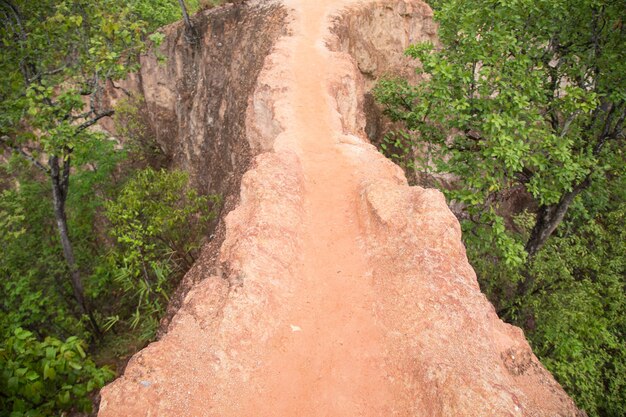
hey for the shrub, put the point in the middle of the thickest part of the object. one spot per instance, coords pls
(44, 378)
(159, 224)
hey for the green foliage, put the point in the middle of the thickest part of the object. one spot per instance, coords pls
(56, 52)
(159, 224)
(56, 57)
(33, 284)
(518, 96)
(43, 378)
(580, 312)
(98, 170)
(156, 12)
(132, 124)
(159, 13)
(31, 265)
(574, 309)
(528, 98)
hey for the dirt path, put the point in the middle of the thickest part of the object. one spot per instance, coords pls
(344, 292)
(333, 363)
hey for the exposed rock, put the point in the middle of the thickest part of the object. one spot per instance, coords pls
(196, 99)
(196, 94)
(341, 290)
(376, 37)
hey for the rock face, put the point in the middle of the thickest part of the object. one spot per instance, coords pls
(196, 98)
(340, 290)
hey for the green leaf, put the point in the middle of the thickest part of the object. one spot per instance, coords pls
(64, 397)
(80, 350)
(51, 352)
(32, 376)
(49, 372)
(13, 383)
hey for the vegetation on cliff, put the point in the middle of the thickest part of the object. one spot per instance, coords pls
(527, 99)
(93, 237)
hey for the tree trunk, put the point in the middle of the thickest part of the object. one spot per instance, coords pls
(547, 220)
(549, 217)
(60, 185)
(183, 8)
(190, 32)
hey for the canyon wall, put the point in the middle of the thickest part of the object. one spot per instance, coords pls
(333, 288)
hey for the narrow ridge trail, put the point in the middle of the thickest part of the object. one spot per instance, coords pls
(338, 290)
(332, 363)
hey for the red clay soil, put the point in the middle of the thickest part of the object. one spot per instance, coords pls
(346, 292)
(329, 361)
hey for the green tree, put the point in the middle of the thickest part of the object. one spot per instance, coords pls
(35, 291)
(528, 98)
(32, 269)
(579, 320)
(56, 57)
(522, 93)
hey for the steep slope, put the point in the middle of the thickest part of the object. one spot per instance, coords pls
(343, 292)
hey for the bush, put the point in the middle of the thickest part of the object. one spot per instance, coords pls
(44, 378)
(133, 125)
(515, 101)
(159, 224)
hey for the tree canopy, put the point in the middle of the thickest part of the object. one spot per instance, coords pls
(69, 275)
(525, 94)
(527, 98)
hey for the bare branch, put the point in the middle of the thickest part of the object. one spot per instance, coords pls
(568, 123)
(16, 15)
(93, 121)
(4, 140)
(121, 88)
